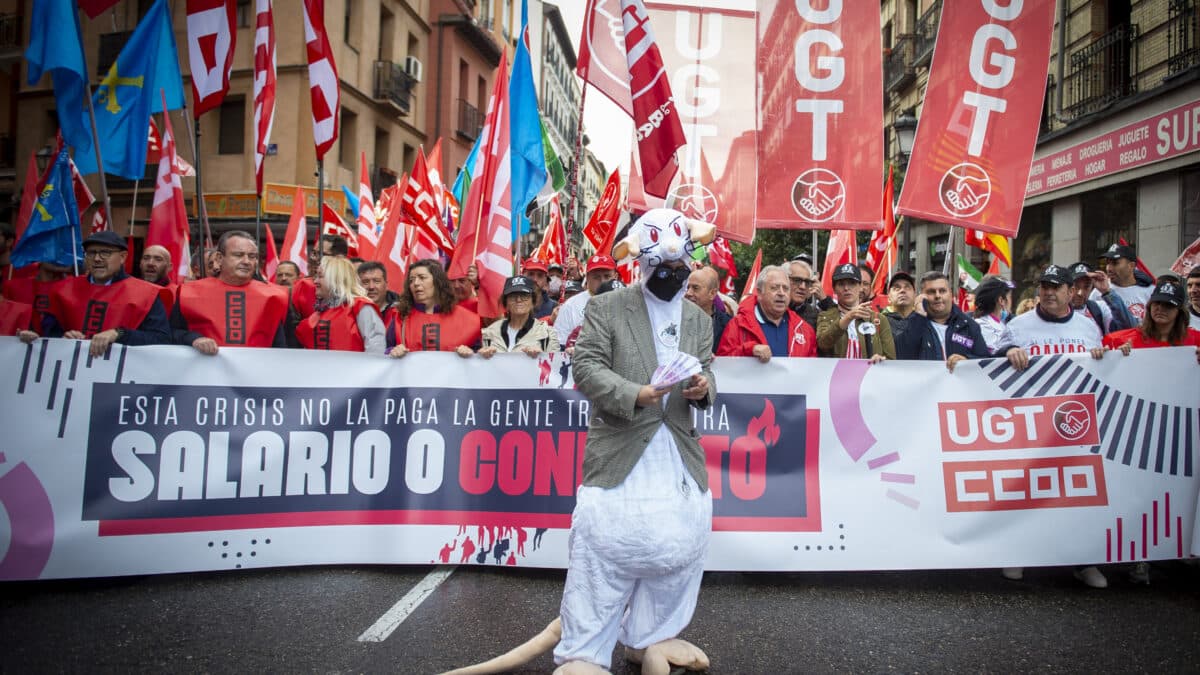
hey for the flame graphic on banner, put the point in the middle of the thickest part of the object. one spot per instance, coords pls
(765, 424)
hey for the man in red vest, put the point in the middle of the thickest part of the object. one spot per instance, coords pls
(35, 290)
(231, 309)
(155, 267)
(106, 305)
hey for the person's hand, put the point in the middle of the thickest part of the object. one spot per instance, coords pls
(487, 352)
(953, 360)
(697, 388)
(1097, 352)
(1198, 354)
(570, 350)
(473, 275)
(27, 336)
(73, 335)
(878, 358)
(1018, 358)
(398, 351)
(919, 308)
(1128, 347)
(463, 351)
(818, 291)
(1100, 281)
(532, 352)
(648, 396)
(102, 341)
(761, 352)
(205, 346)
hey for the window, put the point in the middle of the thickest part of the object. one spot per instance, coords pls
(245, 14)
(231, 137)
(1107, 215)
(351, 30)
(1031, 250)
(348, 139)
(1189, 218)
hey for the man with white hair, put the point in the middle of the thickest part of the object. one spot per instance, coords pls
(804, 283)
(767, 327)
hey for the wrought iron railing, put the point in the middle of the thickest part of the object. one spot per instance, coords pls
(927, 27)
(1102, 72)
(470, 120)
(394, 84)
(1183, 41)
(898, 70)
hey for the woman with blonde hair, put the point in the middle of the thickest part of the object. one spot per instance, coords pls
(344, 318)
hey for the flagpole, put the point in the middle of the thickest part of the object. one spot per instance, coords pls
(74, 258)
(320, 207)
(133, 206)
(573, 184)
(257, 218)
(194, 137)
(95, 137)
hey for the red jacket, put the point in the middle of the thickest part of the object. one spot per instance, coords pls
(743, 333)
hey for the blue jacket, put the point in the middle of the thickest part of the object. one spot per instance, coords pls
(919, 340)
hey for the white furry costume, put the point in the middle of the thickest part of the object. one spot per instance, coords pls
(637, 550)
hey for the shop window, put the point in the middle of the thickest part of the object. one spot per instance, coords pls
(1106, 215)
(1189, 217)
(1031, 250)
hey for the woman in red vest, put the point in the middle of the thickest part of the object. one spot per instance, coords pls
(1165, 325)
(343, 318)
(429, 318)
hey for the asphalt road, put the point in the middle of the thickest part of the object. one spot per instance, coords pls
(310, 620)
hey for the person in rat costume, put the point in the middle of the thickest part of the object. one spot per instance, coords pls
(643, 514)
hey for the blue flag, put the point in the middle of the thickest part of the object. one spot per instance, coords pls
(130, 92)
(462, 184)
(53, 232)
(528, 159)
(351, 200)
(55, 46)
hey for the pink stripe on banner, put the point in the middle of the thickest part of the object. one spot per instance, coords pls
(1119, 538)
(31, 527)
(884, 460)
(1144, 528)
(898, 478)
(903, 499)
(1167, 513)
(1156, 522)
(1108, 544)
(845, 407)
(1132, 551)
(1179, 540)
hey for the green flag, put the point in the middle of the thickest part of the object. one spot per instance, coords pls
(971, 280)
(555, 179)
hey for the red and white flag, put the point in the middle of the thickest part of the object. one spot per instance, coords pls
(332, 223)
(981, 115)
(419, 204)
(393, 242)
(271, 261)
(212, 37)
(601, 228)
(296, 238)
(721, 257)
(83, 194)
(881, 252)
(752, 278)
(554, 239)
(602, 59)
(655, 116)
(485, 233)
(368, 225)
(842, 249)
(264, 84)
(322, 77)
(100, 221)
(433, 166)
(168, 218)
(154, 152)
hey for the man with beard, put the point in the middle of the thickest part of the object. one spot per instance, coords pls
(803, 283)
(155, 267)
(287, 274)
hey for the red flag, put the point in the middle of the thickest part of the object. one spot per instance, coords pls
(29, 194)
(721, 257)
(154, 152)
(322, 78)
(602, 59)
(655, 116)
(93, 8)
(264, 84)
(881, 253)
(1188, 259)
(368, 226)
(83, 195)
(996, 244)
(393, 249)
(271, 261)
(212, 37)
(100, 222)
(981, 116)
(168, 218)
(332, 223)
(433, 168)
(485, 233)
(1140, 265)
(419, 203)
(752, 278)
(842, 249)
(296, 237)
(601, 228)
(554, 240)
(994, 268)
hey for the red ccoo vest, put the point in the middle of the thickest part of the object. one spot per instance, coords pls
(234, 316)
(80, 305)
(14, 316)
(336, 328)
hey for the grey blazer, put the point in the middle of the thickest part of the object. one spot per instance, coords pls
(614, 357)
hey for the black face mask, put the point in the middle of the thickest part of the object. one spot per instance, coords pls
(666, 282)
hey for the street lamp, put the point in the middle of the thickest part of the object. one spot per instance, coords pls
(905, 127)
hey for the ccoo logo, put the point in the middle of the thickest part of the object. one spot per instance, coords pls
(1072, 420)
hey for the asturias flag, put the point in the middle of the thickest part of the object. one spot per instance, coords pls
(53, 232)
(55, 46)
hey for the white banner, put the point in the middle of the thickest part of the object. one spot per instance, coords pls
(159, 459)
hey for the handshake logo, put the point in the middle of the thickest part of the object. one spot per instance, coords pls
(818, 195)
(965, 189)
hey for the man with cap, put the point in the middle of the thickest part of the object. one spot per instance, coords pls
(852, 330)
(106, 305)
(1133, 287)
(803, 283)
(902, 313)
(1193, 294)
(600, 268)
(767, 327)
(519, 330)
(1092, 294)
(233, 308)
(554, 284)
(543, 300)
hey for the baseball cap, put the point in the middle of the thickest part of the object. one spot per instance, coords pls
(1118, 251)
(531, 264)
(993, 285)
(901, 274)
(601, 262)
(572, 288)
(610, 285)
(1056, 275)
(1168, 292)
(554, 266)
(106, 238)
(1080, 270)
(847, 271)
(517, 284)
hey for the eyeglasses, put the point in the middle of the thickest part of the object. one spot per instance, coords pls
(802, 281)
(100, 253)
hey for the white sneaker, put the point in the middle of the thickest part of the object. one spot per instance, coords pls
(1013, 573)
(1092, 577)
(1140, 573)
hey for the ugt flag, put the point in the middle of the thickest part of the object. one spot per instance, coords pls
(130, 92)
(53, 232)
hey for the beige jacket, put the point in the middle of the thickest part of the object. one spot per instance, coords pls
(540, 335)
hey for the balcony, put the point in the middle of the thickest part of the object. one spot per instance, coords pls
(898, 70)
(927, 27)
(1183, 43)
(1101, 73)
(470, 121)
(394, 85)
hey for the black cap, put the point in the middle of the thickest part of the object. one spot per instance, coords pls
(901, 274)
(106, 238)
(847, 271)
(517, 284)
(1169, 292)
(572, 288)
(610, 285)
(1119, 251)
(803, 257)
(554, 266)
(1055, 275)
(993, 285)
(1080, 270)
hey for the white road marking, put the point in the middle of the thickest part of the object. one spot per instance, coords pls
(392, 618)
